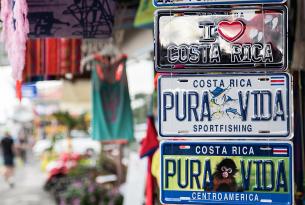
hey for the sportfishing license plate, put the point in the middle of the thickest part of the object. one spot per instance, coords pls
(158, 3)
(222, 39)
(226, 173)
(225, 106)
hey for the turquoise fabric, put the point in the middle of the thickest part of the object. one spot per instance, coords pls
(111, 115)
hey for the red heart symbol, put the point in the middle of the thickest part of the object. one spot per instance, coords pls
(231, 31)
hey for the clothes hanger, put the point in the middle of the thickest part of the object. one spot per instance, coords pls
(109, 50)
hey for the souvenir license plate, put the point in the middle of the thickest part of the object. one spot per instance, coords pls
(225, 106)
(158, 3)
(243, 38)
(226, 173)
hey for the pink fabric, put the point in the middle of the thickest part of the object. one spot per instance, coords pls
(14, 33)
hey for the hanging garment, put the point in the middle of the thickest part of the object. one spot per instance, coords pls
(15, 29)
(88, 47)
(52, 53)
(155, 166)
(111, 114)
(148, 147)
(52, 58)
(150, 143)
(144, 17)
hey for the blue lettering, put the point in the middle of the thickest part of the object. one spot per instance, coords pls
(243, 108)
(165, 106)
(205, 111)
(185, 173)
(193, 174)
(279, 107)
(169, 173)
(281, 181)
(195, 83)
(183, 106)
(207, 174)
(271, 185)
(191, 107)
(258, 175)
(246, 175)
(262, 111)
(255, 104)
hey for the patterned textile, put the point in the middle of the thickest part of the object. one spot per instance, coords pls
(52, 58)
(70, 18)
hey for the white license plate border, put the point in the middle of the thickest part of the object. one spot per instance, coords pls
(289, 98)
(226, 142)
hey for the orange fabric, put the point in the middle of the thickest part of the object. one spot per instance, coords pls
(19, 90)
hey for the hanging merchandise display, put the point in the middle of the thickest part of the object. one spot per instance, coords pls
(112, 116)
(69, 18)
(14, 35)
(246, 102)
(90, 46)
(226, 106)
(148, 147)
(150, 143)
(227, 173)
(222, 39)
(159, 3)
(52, 58)
(144, 16)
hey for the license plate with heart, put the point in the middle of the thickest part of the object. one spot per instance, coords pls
(221, 39)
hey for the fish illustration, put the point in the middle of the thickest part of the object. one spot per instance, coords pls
(223, 104)
(232, 113)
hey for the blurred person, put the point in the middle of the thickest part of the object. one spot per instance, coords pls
(22, 146)
(7, 145)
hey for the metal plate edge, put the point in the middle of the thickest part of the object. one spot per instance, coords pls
(288, 136)
(159, 69)
(236, 142)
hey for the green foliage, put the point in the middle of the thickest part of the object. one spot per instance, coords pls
(140, 113)
(72, 122)
(82, 192)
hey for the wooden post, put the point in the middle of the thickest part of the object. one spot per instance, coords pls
(298, 60)
(118, 159)
(119, 165)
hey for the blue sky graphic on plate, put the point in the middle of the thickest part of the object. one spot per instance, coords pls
(223, 105)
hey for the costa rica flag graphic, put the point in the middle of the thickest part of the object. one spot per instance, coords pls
(277, 80)
(280, 151)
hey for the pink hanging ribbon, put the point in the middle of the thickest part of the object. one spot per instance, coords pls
(14, 35)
